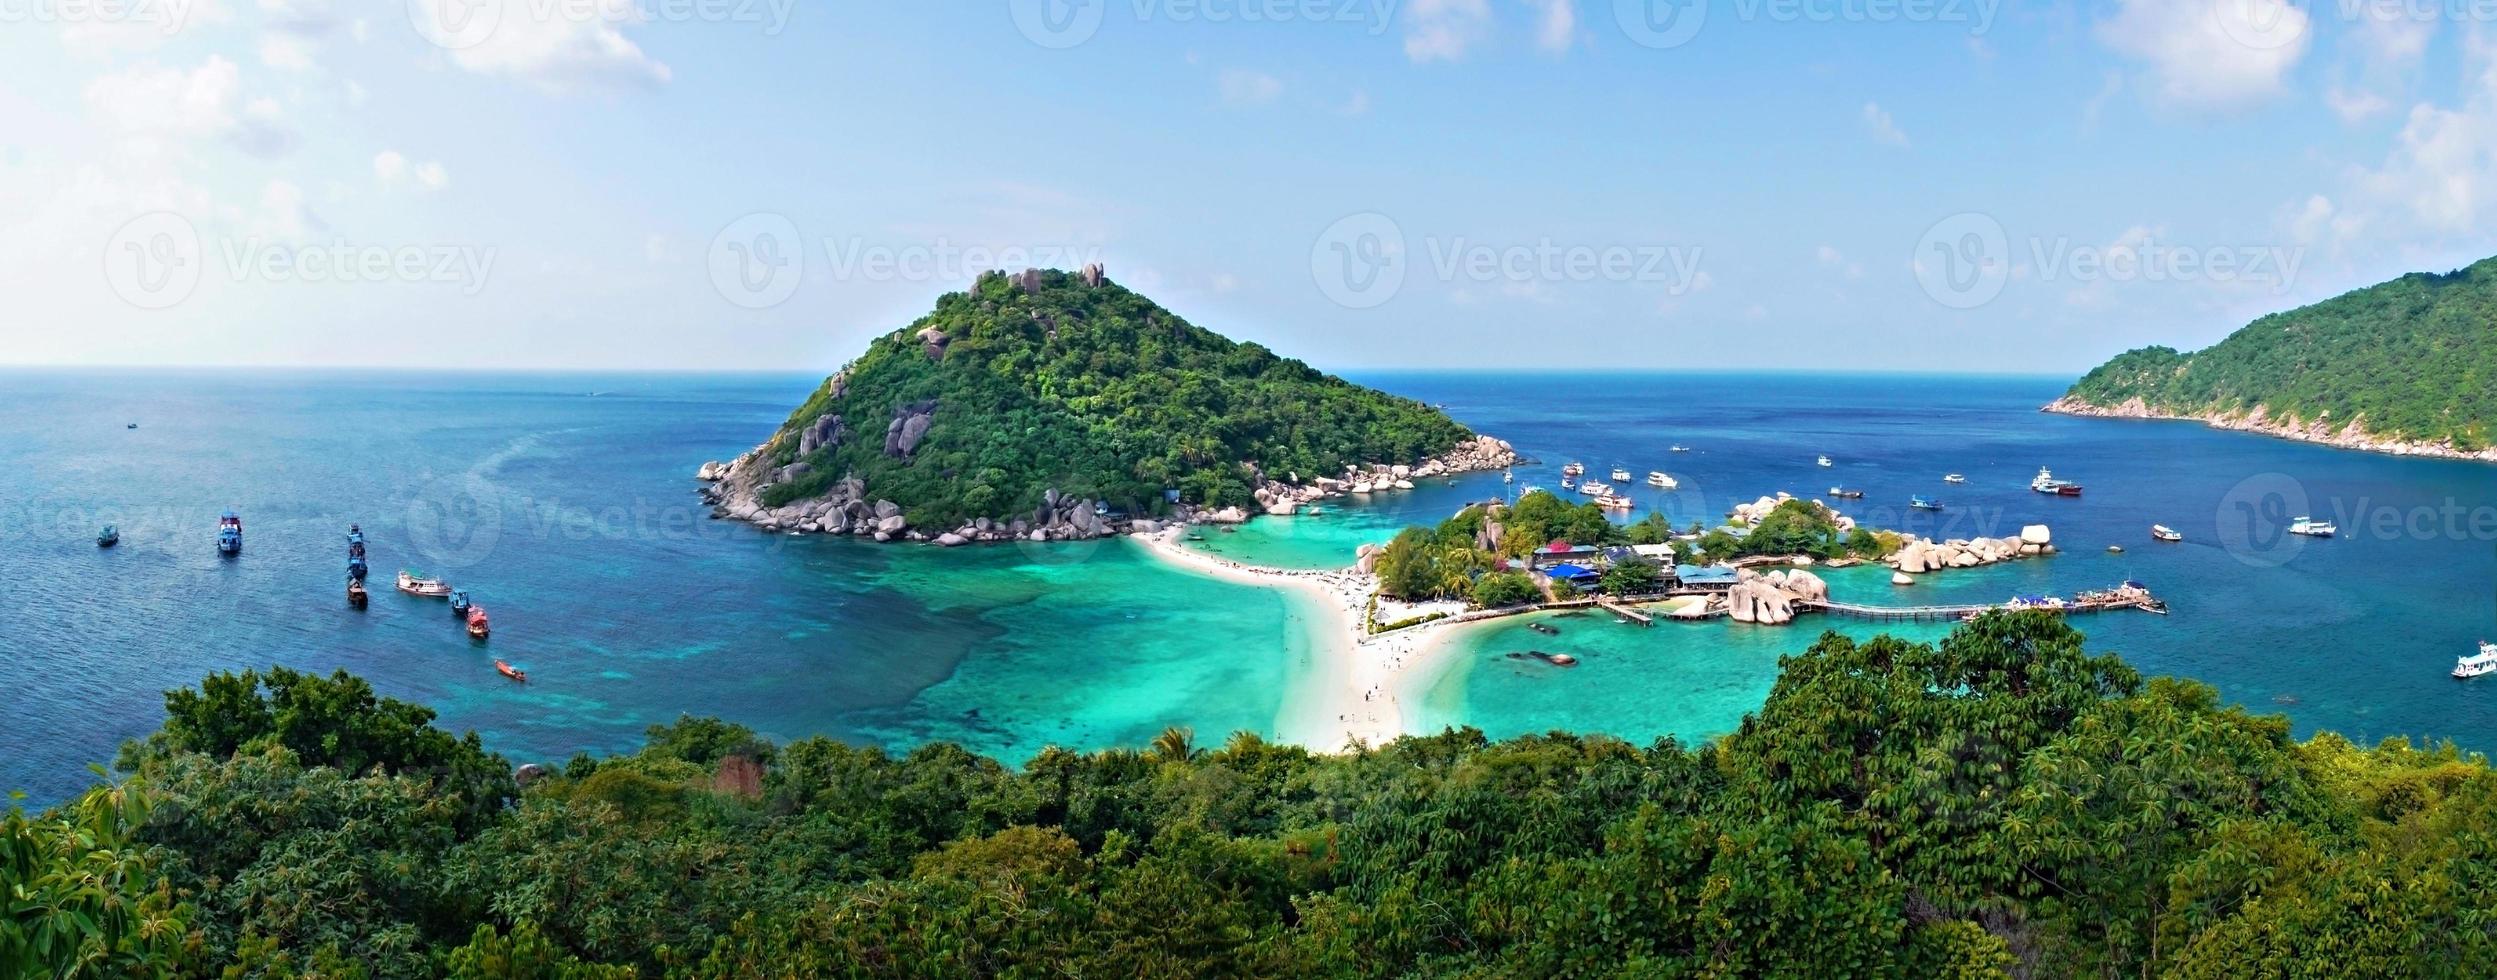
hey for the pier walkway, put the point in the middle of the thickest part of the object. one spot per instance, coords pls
(1626, 612)
(1937, 614)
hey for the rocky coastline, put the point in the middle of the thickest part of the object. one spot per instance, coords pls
(734, 491)
(2352, 434)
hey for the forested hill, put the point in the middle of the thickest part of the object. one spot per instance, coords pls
(2002, 803)
(2413, 360)
(1070, 382)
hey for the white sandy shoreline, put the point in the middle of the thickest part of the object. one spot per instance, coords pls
(1358, 696)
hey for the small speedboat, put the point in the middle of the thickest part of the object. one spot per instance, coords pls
(2115, 549)
(418, 585)
(478, 627)
(1924, 503)
(512, 672)
(1555, 659)
(1681, 449)
(1620, 475)
(2313, 528)
(1574, 469)
(1825, 461)
(2163, 532)
(1843, 493)
(2479, 663)
(1954, 478)
(108, 537)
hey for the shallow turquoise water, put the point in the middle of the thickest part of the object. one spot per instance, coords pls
(566, 504)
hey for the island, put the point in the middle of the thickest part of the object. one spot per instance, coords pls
(1051, 406)
(2407, 367)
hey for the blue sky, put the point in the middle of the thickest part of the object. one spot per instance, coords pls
(693, 184)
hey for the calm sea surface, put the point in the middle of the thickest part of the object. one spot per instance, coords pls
(565, 504)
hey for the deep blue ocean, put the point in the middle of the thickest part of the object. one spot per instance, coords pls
(565, 504)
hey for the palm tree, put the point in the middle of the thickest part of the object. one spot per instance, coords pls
(1175, 744)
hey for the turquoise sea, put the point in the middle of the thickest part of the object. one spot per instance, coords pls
(565, 504)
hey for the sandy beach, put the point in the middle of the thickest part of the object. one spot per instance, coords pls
(1358, 693)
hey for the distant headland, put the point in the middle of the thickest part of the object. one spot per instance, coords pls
(1050, 405)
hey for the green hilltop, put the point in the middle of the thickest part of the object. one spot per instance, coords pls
(2413, 360)
(1049, 380)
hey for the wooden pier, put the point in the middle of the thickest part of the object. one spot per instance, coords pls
(1945, 614)
(1626, 612)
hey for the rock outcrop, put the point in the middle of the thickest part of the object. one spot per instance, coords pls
(1770, 599)
(1919, 556)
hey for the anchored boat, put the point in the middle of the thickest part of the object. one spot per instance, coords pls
(2047, 484)
(418, 585)
(460, 603)
(1825, 461)
(1658, 479)
(1921, 502)
(2479, 663)
(229, 534)
(2165, 533)
(478, 627)
(1846, 494)
(512, 672)
(2313, 528)
(1954, 478)
(108, 537)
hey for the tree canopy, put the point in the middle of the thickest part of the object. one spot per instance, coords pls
(2001, 803)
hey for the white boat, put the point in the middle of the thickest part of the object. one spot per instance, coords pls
(1955, 478)
(1825, 461)
(1612, 501)
(418, 585)
(1620, 475)
(1574, 469)
(2046, 483)
(1508, 476)
(2313, 528)
(2479, 663)
(2165, 533)
(1681, 449)
(1658, 479)
(1593, 488)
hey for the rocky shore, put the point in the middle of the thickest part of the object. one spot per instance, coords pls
(1918, 556)
(2352, 434)
(734, 491)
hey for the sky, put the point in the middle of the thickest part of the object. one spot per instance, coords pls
(1904, 185)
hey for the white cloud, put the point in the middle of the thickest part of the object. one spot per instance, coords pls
(161, 106)
(2356, 105)
(431, 176)
(1444, 30)
(2210, 54)
(560, 46)
(146, 28)
(389, 166)
(1243, 87)
(1831, 258)
(394, 169)
(285, 52)
(2385, 46)
(1877, 120)
(1556, 23)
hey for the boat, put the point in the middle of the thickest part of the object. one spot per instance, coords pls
(460, 603)
(1922, 502)
(1569, 483)
(1681, 449)
(1954, 478)
(477, 625)
(1843, 493)
(2479, 663)
(1825, 461)
(1508, 476)
(2115, 549)
(2163, 532)
(1593, 488)
(229, 534)
(1574, 469)
(512, 672)
(1620, 475)
(1658, 479)
(2313, 528)
(134, 425)
(2047, 484)
(1614, 501)
(108, 537)
(418, 585)
(356, 595)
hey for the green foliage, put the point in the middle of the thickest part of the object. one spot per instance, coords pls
(1505, 589)
(2000, 803)
(1796, 527)
(1638, 577)
(2413, 358)
(1094, 392)
(1540, 518)
(81, 896)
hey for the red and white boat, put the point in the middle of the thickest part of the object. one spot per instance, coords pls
(478, 627)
